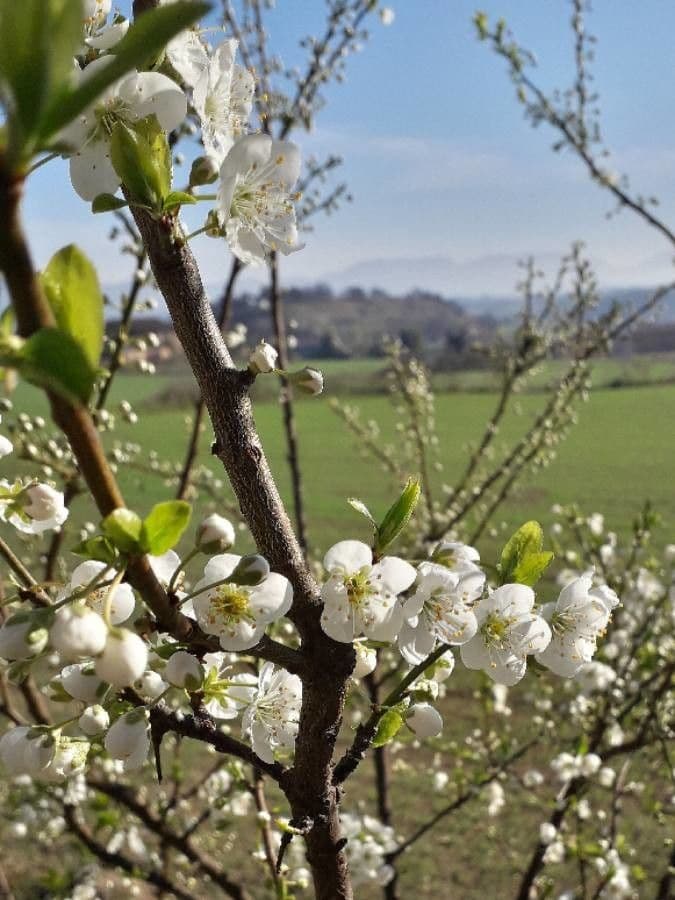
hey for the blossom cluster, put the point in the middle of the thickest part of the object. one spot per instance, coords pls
(255, 173)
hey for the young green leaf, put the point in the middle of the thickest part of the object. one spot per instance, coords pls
(388, 727)
(71, 286)
(175, 199)
(107, 203)
(7, 322)
(123, 528)
(164, 526)
(51, 359)
(398, 516)
(98, 548)
(141, 157)
(523, 559)
(145, 40)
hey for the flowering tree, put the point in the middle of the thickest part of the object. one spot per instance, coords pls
(137, 648)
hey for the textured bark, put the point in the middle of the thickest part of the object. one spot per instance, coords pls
(326, 665)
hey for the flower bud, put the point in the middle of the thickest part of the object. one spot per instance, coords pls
(78, 631)
(128, 739)
(183, 670)
(150, 685)
(308, 380)
(204, 171)
(424, 720)
(215, 534)
(590, 764)
(124, 658)
(26, 750)
(366, 660)
(82, 683)
(6, 446)
(22, 637)
(547, 833)
(44, 510)
(250, 570)
(93, 720)
(263, 360)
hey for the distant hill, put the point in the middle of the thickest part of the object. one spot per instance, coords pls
(352, 323)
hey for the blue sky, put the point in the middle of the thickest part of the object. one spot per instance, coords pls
(450, 184)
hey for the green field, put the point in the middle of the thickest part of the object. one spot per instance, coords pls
(619, 454)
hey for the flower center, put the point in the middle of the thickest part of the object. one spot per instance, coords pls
(495, 630)
(108, 114)
(358, 587)
(230, 602)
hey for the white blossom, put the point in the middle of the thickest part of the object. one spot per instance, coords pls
(424, 720)
(78, 631)
(271, 710)
(183, 670)
(578, 616)
(360, 598)
(123, 659)
(215, 534)
(366, 660)
(121, 599)
(496, 798)
(439, 610)
(508, 631)
(6, 446)
(82, 683)
(547, 833)
(38, 508)
(26, 750)
(137, 95)
(238, 614)
(94, 720)
(21, 637)
(263, 359)
(129, 739)
(222, 97)
(150, 685)
(255, 203)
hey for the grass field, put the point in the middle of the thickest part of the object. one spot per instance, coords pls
(619, 454)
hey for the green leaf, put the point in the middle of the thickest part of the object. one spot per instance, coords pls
(388, 727)
(141, 157)
(523, 559)
(98, 548)
(177, 198)
(51, 359)
(38, 39)
(107, 203)
(71, 286)
(144, 41)
(7, 322)
(123, 528)
(398, 516)
(164, 526)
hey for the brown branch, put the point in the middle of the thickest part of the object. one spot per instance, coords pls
(128, 798)
(286, 401)
(118, 860)
(192, 450)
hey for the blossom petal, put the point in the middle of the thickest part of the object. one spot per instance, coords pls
(91, 171)
(152, 92)
(397, 575)
(348, 556)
